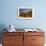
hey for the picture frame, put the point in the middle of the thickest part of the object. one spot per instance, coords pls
(25, 13)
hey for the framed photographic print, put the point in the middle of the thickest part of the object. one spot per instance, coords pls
(25, 13)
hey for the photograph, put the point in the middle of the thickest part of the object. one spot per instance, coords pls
(25, 13)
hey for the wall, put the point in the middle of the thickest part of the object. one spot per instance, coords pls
(8, 13)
